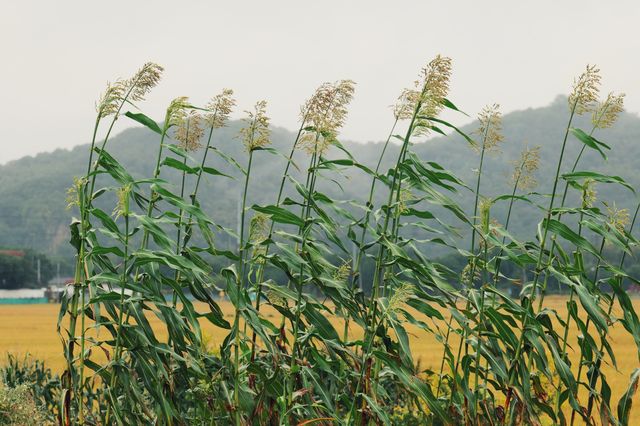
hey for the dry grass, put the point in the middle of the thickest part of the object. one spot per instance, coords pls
(31, 328)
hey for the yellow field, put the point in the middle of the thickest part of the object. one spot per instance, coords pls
(31, 328)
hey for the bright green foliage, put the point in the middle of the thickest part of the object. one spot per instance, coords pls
(303, 254)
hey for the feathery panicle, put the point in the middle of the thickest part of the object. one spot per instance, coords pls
(342, 272)
(133, 89)
(617, 218)
(525, 167)
(465, 275)
(405, 105)
(144, 80)
(111, 100)
(401, 294)
(484, 209)
(589, 193)
(325, 113)
(490, 127)
(220, 106)
(122, 206)
(189, 131)
(74, 192)
(313, 142)
(177, 110)
(585, 90)
(258, 233)
(425, 99)
(406, 196)
(436, 78)
(259, 228)
(256, 134)
(607, 112)
(275, 298)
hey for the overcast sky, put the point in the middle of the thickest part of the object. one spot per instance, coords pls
(58, 55)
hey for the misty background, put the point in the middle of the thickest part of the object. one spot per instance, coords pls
(58, 57)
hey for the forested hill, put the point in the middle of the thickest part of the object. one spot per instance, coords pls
(33, 210)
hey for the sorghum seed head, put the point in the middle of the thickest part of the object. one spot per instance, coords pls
(189, 131)
(325, 113)
(220, 108)
(490, 128)
(256, 132)
(525, 167)
(606, 114)
(585, 90)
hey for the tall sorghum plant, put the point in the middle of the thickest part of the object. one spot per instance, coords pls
(299, 274)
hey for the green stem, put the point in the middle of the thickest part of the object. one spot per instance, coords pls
(595, 283)
(474, 261)
(537, 272)
(261, 268)
(123, 283)
(355, 275)
(179, 232)
(194, 195)
(239, 289)
(372, 308)
(594, 377)
(305, 231)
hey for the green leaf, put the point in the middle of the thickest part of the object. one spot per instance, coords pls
(624, 405)
(322, 324)
(280, 215)
(590, 141)
(144, 120)
(448, 104)
(565, 232)
(179, 165)
(598, 177)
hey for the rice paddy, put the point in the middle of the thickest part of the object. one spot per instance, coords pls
(31, 329)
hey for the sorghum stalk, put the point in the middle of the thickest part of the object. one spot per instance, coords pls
(564, 345)
(365, 222)
(111, 103)
(255, 136)
(584, 94)
(538, 267)
(421, 105)
(299, 285)
(239, 288)
(598, 362)
(369, 336)
(261, 268)
(123, 284)
(490, 127)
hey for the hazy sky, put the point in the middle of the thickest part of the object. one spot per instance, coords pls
(58, 55)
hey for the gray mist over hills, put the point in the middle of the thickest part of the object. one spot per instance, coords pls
(40, 220)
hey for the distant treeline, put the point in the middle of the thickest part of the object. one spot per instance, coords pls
(25, 268)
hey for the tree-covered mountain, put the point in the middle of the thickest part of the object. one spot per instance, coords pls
(33, 211)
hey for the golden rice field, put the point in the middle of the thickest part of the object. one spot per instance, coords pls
(32, 329)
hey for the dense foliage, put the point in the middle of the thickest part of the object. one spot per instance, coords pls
(29, 392)
(149, 245)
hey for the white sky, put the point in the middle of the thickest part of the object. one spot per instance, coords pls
(58, 55)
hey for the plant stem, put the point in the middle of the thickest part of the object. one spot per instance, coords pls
(594, 378)
(595, 283)
(537, 271)
(123, 284)
(239, 289)
(305, 231)
(261, 268)
(371, 311)
(355, 275)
